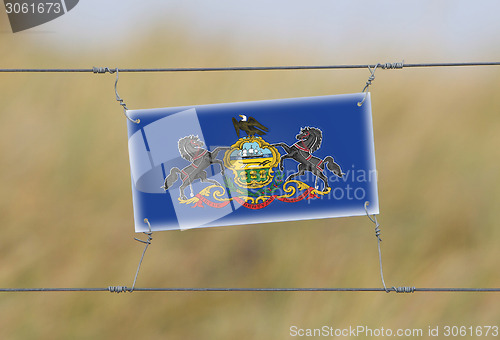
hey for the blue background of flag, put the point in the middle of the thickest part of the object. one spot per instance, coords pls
(347, 137)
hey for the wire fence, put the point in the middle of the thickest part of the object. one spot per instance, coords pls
(371, 67)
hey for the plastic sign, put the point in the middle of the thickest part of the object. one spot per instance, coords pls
(252, 162)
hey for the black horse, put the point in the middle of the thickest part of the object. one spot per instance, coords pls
(190, 148)
(309, 140)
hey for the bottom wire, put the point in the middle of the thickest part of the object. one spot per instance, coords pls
(125, 289)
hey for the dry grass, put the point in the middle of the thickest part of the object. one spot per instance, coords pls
(66, 210)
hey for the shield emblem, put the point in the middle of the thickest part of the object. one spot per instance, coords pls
(252, 161)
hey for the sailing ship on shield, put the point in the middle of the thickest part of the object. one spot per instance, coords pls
(256, 177)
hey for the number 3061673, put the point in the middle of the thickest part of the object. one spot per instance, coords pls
(454, 331)
(40, 8)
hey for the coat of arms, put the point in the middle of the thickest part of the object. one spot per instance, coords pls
(252, 162)
(256, 176)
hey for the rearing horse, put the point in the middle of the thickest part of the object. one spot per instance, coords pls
(190, 148)
(309, 140)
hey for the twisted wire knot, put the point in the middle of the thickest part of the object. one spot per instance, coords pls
(374, 220)
(118, 289)
(385, 66)
(378, 232)
(103, 70)
(120, 101)
(403, 289)
(147, 233)
(392, 66)
(368, 83)
(370, 78)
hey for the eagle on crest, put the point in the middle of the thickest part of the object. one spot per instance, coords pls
(250, 125)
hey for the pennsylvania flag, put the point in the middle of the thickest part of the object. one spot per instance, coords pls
(252, 162)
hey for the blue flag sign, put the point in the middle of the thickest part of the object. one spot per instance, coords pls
(252, 162)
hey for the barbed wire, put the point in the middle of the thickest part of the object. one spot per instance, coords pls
(398, 65)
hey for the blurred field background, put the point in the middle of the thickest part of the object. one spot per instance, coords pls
(66, 207)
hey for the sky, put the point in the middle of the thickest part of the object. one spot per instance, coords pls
(446, 30)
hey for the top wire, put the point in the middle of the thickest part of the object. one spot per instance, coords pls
(250, 68)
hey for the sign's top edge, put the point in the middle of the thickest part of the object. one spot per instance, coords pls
(359, 95)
